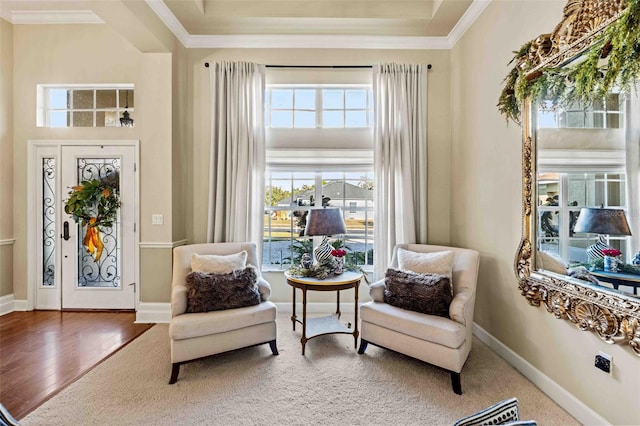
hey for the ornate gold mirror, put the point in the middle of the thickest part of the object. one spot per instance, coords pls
(573, 91)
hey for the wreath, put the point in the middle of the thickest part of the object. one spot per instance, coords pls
(94, 204)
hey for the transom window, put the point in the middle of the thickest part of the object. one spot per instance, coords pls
(319, 106)
(84, 106)
(607, 113)
(290, 195)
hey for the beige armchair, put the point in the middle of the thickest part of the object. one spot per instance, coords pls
(197, 335)
(436, 340)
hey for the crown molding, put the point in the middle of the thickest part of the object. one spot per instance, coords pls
(316, 41)
(26, 17)
(470, 15)
(169, 19)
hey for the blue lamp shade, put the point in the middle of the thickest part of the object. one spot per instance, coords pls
(325, 221)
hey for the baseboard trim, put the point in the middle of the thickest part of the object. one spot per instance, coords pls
(7, 242)
(153, 313)
(583, 413)
(161, 245)
(6, 304)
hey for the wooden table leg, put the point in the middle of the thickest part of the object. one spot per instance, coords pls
(293, 316)
(303, 340)
(355, 317)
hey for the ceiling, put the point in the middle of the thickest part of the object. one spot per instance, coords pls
(272, 23)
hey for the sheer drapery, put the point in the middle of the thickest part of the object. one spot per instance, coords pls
(236, 176)
(632, 155)
(400, 158)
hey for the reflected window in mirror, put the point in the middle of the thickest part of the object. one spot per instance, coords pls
(607, 113)
(561, 195)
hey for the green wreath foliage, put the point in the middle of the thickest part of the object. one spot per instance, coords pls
(582, 83)
(94, 199)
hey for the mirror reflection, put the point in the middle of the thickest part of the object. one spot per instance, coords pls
(586, 222)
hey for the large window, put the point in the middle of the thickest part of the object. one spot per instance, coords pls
(560, 198)
(290, 195)
(84, 106)
(607, 113)
(319, 107)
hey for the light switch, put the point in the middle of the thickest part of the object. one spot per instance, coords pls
(157, 219)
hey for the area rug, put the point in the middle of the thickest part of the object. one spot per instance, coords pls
(330, 385)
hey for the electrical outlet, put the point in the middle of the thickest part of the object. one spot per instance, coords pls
(604, 362)
(157, 219)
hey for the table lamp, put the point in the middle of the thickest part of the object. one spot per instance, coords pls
(325, 222)
(603, 222)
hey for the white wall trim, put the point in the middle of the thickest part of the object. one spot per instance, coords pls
(6, 304)
(578, 409)
(472, 13)
(7, 242)
(21, 305)
(284, 41)
(24, 17)
(166, 15)
(162, 245)
(153, 312)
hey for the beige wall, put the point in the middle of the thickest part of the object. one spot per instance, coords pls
(6, 158)
(486, 212)
(87, 54)
(439, 131)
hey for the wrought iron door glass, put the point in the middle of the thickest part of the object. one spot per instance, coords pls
(48, 221)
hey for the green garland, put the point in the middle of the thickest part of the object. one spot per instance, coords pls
(94, 202)
(584, 82)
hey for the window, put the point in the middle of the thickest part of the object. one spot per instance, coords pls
(83, 106)
(290, 195)
(560, 197)
(607, 113)
(319, 106)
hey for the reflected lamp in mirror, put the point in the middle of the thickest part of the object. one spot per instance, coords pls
(324, 222)
(603, 222)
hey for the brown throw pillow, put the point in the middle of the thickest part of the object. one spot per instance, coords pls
(214, 292)
(425, 293)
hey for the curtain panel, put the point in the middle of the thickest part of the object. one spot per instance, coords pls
(400, 158)
(237, 161)
(632, 158)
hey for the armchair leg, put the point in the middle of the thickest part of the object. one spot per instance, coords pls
(363, 346)
(455, 383)
(175, 370)
(274, 348)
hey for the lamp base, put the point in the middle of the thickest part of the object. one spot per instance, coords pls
(594, 251)
(322, 253)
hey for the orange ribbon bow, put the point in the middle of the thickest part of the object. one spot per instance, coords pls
(92, 240)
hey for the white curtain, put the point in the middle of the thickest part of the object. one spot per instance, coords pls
(236, 174)
(400, 158)
(632, 155)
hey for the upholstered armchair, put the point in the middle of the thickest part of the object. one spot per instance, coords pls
(204, 333)
(438, 340)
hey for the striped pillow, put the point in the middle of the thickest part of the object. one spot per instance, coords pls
(503, 413)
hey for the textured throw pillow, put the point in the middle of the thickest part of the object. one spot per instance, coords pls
(504, 412)
(425, 293)
(437, 262)
(214, 292)
(552, 262)
(219, 264)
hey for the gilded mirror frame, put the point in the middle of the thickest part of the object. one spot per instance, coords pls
(614, 317)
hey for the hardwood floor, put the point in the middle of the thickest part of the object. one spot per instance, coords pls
(41, 352)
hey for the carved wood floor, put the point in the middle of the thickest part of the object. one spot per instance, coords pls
(41, 352)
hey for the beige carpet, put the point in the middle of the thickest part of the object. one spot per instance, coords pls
(331, 385)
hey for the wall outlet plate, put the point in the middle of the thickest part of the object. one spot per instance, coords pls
(603, 362)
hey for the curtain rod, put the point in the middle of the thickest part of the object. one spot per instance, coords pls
(206, 64)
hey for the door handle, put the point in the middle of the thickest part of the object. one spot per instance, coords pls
(65, 231)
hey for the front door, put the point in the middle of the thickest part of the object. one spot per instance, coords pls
(87, 253)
